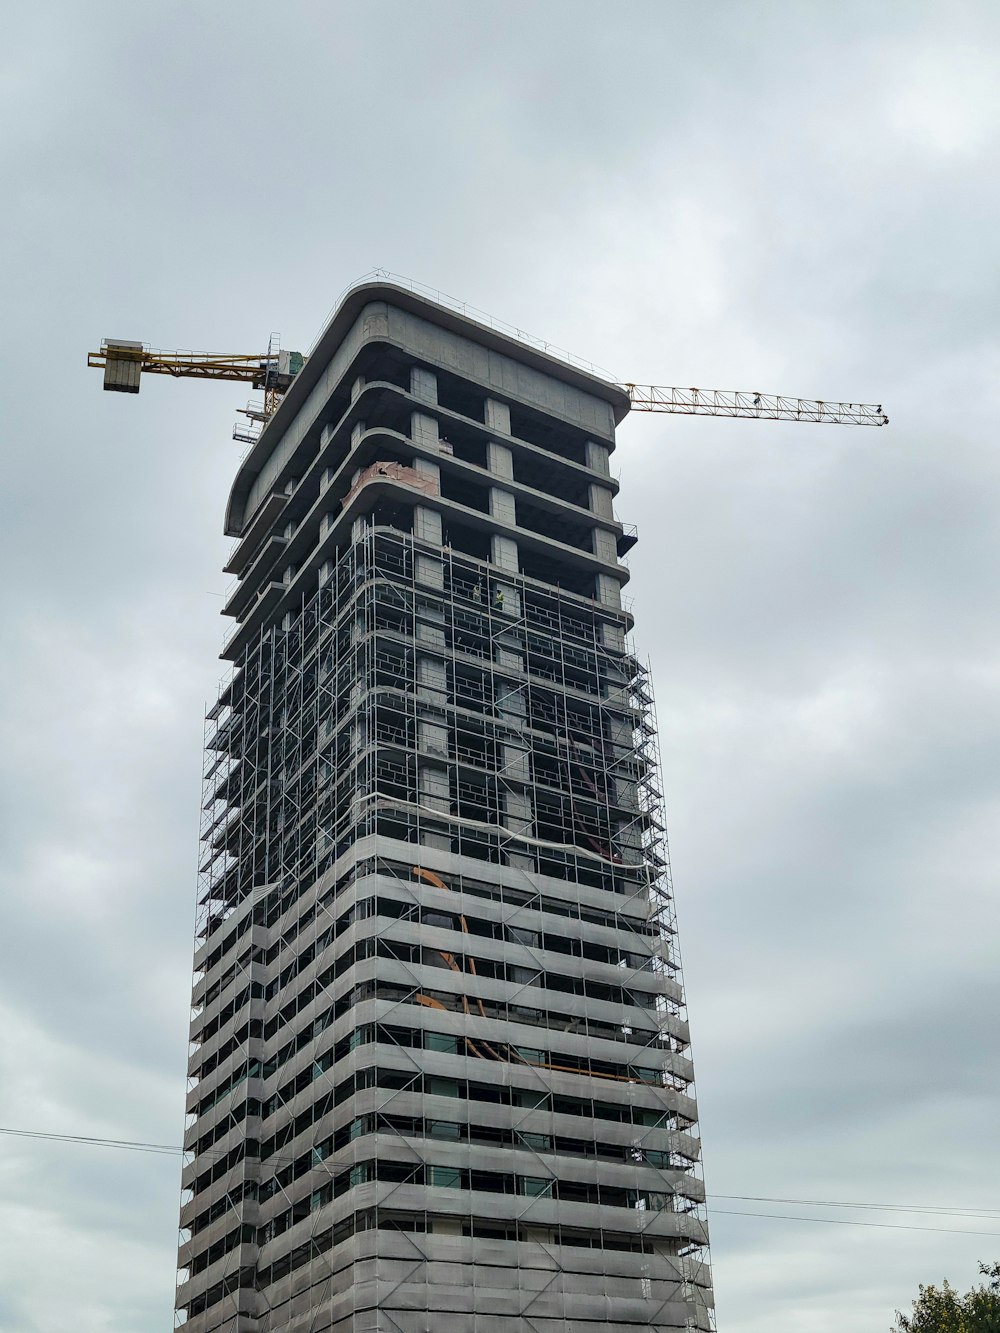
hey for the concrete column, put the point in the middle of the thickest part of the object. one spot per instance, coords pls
(629, 841)
(427, 524)
(601, 501)
(424, 384)
(598, 458)
(430, 634)
(515, 764)
(434, 787)
(427, 469)
(503, 553)
(506, 600)
(432, 737)
(620, 731)
(613, 638)
(357, 430)
(627, 793)
(517, 812)
(432, 679)
(502, 506)
(424, 430)
(604, 545)
(428, 571)
(500, 460)
(508, 653)
(510, 701)
(497, 416)
(609, 591)
(357, 386)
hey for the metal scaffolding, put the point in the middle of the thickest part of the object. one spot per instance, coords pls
(438, 995)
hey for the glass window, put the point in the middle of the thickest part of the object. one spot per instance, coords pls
(441, 1041)
(444, 1177)
(518, 936)
(540, 1142)
(532, 1056)
(536, 1186)
(532, 1100)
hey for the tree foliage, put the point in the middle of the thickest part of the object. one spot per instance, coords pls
(943, 1310)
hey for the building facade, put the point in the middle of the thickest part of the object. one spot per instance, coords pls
(439, 1075)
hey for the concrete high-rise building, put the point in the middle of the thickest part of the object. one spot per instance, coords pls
(439, 1077)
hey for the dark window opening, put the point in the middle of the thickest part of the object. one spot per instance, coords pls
(465, 492)
(552, 570)
(392, 514)
(470, 541)
(556, 438)
(457, 395)
(552, 524)
(552, 479)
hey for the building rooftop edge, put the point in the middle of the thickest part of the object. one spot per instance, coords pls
(347, 310)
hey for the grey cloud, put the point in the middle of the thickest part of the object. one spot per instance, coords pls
(791, 196)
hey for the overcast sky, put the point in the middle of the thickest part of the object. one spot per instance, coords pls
(789, 196)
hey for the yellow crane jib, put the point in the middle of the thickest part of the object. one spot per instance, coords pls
(124, 362)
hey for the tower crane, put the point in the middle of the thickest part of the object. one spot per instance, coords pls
(273, 371)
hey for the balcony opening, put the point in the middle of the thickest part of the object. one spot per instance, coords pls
(458, 395)
(465, 492)
(470, 541)
(555, 437)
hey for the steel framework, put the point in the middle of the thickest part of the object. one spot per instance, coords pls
(315, 755)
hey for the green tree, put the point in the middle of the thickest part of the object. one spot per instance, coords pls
(943, 1310)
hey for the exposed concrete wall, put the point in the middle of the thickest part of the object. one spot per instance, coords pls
(426, 342)
(493, 370)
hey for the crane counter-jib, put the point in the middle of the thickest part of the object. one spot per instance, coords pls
(124, 362)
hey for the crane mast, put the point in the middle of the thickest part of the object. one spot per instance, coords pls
(273, 371)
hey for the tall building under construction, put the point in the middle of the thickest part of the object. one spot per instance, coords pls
(439, 1079)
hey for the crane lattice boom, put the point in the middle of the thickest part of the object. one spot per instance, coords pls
(744, 403)
(274, 370)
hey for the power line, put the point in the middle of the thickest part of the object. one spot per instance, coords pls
(852, 1222)
(174, 1150)
(880, 1207)
(128, 1145)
